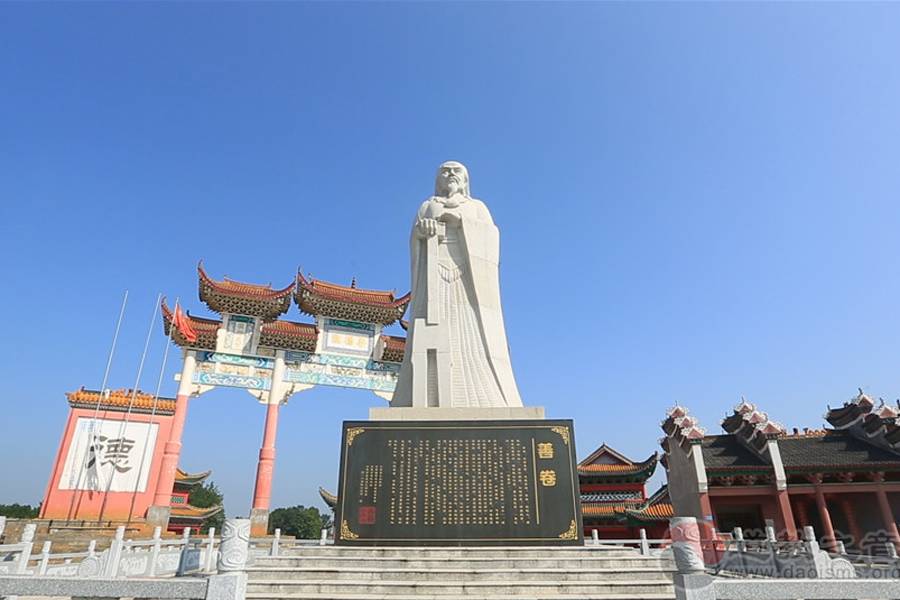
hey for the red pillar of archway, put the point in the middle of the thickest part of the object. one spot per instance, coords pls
(158, 513)
(262, 491)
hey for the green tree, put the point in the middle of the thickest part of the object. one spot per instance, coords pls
(204, 496)
(298, 521)
(19, 511)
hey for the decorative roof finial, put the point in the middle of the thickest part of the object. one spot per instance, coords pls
(353, 282)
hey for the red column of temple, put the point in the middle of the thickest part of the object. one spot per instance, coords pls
(825, 517)
(800, 510)
(887, 515)
(852, 523)
(158, 514)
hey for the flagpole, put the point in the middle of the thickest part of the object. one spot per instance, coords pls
(125, 421)
(159, 380)
(92, 423)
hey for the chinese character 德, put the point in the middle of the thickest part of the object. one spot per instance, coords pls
(111, 451)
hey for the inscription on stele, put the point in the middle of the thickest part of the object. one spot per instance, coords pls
(462, 482)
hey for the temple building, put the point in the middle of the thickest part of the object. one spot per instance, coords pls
(614, 496)
(104, 468)
(843, 480)
(184, 516)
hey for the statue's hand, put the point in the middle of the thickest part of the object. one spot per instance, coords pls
(450, 218)
(426, 228)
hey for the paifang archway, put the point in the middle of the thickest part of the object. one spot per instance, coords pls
(250, 347)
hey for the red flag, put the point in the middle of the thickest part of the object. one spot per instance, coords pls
(183, 323)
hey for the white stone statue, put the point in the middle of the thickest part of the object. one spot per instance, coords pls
(456, 349)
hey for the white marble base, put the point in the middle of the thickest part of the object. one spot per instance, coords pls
(413, 413)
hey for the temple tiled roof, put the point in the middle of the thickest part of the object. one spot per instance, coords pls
(121, 400)
(874, 424)
(658, 507)
(205, 330)
(681, 427)
(329, 498)
(827, 450)
(753, 427)
(186, 479)
(187, 512)
(602, 510)
(632, 472)
(229, 296)
(612, 496)
(727, 452)
(393, 348)
(835, 450)
(317, 297)
(289, 335)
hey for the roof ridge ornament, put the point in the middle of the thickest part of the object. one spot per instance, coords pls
(875, 425)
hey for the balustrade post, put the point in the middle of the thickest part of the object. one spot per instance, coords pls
(230, 583)
(891, 550)
(810, 541)
(27, 541)
(645, 546)
(738, 535)
(691, 581)
(210, 550)
(2, 527)
(276, 540)
(154, 551)
(183, 557)
(45, 558)
(234, 549)
(595, 537)
(115, 552)
(323, 539)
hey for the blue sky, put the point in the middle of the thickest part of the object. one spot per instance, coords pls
(696, 201)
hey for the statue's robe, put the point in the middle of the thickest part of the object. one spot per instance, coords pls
(484, 376)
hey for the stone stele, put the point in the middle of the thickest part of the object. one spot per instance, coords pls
(456, 355)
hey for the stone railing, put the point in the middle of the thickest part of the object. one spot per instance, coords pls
(142, 569)
(642, 543)
(155, 557)
(767, 569)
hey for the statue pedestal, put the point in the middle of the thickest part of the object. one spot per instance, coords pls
(458, 482)
(455, 414)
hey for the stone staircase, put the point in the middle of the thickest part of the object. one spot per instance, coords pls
(511, 573)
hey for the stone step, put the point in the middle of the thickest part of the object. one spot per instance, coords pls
(471, 552)
(454, 575)
(364, 596)
(587, 561)
(633, 588)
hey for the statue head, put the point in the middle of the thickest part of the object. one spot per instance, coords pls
(452, 178)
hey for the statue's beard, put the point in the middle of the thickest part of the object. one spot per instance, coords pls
(454, 188)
